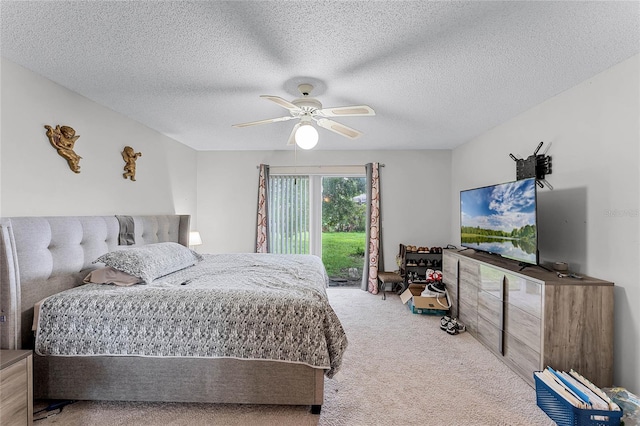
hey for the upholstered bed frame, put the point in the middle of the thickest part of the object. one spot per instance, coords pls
(41, 256)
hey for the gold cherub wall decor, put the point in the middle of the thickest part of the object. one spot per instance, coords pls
(63, 138)
(130, 156)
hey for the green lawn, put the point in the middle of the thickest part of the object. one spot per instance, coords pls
(341, 251)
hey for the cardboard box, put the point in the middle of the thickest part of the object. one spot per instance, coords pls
(423, 305)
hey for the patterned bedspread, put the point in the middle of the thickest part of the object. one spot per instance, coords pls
(252, 306)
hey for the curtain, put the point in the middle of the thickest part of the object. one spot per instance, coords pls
(373, 234)
(262, 230)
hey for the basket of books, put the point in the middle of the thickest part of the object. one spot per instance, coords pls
(571, 400)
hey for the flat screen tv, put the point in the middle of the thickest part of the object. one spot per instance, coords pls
(501, 219)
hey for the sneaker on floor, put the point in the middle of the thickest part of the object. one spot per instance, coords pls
(455, 327)
(444, 322)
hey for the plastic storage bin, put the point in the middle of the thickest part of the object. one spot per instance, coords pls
(565, 414)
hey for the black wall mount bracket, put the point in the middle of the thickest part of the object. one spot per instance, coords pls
(534, 166)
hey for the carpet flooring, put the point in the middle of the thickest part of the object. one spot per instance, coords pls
(399, 369)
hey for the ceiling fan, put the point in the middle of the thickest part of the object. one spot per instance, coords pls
(308, 109)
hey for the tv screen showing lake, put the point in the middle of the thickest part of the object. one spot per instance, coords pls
(501, 219)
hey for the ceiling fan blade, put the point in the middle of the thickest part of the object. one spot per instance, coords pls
(340, 129)
(282, 102)
(292, 137)
(353, 111)
(270, 120)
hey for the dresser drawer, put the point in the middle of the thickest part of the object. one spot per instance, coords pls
(469, 316)
(468, 294)
(491, 279)
(524, 294)
(489, 335)
(490, 308)
(521, 357)
(469, 273)
(524, 326)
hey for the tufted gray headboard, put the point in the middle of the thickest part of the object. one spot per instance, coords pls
(41, 256)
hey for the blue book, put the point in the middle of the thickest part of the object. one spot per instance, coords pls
(571, 386)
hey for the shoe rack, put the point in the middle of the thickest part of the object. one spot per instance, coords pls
(414, 261)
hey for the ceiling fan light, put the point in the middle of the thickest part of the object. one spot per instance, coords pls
(306, 136)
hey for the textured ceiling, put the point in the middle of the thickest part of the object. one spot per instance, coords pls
(436, 73)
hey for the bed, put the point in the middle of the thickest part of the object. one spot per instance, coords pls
(229, 328)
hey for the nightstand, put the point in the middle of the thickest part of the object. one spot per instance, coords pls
(16, 389)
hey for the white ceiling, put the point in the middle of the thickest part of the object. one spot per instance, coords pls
(436, 73)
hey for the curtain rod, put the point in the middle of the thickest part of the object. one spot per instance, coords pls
(335, 165)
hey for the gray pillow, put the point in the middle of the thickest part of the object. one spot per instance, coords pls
(109, 275)
(150, 261)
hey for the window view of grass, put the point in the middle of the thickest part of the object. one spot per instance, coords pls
(343, 227)
(342, 251)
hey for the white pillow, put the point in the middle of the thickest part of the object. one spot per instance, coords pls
(109, 275)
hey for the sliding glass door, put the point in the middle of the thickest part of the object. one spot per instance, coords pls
(320, 215)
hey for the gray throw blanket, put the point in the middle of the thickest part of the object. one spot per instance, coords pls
(127, 234)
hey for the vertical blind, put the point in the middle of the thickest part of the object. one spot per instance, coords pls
(289, 214)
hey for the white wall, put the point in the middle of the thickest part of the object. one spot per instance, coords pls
(590, 219)
(36, 181)
(415, 191)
